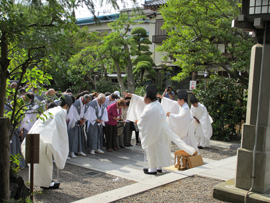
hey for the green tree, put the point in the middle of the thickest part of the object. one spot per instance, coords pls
(112, 51)
(196, 28)
(143, 62)
(29, 35)
(226, 103)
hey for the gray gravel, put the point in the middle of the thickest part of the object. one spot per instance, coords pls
(191, 189)
(76, 185)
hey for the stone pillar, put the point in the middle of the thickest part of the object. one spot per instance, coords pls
(245, 153)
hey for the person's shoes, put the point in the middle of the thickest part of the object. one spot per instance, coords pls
(53, 185)
(159, 170)
(145, 170)
(109, 150)
(68, 157)
(81, 154)
(99, 151)
(139, 144)
(115, 149)
(122, 147)
(118, 147)
(200, 147)
(92, 152)
(72, 155)
(126, 145)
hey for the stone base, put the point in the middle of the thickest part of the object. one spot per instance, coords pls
(228, 192)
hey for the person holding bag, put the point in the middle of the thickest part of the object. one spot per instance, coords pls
(114, 115)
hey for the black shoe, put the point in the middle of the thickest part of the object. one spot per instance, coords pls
(122, 146)
(159, 170)
(145, 170)
(55, 186)
(200, 147)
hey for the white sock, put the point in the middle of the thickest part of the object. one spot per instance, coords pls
(152, 170)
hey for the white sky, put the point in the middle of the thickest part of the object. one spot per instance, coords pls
(83, 12)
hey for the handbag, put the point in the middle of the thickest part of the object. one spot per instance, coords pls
(120, 128)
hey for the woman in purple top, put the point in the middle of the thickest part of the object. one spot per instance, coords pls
(114, 113)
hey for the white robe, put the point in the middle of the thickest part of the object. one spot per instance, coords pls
(155, 133)
(74, 116)
(53, 143)
(29, 118)
(108, 102)
(180, 121)
(91, 117)
(203, 131)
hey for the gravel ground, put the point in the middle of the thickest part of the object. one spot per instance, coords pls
(215, 153)
(76, 185)
(191, 189)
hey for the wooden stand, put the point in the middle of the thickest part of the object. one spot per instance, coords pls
(32, 157)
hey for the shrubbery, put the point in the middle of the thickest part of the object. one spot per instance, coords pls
(226, 103)
(104, 85)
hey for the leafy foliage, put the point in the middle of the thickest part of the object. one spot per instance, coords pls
(226, 103)
(15, 163)
(198, 31)
(104, 85)
(143, 62)
(29, 37)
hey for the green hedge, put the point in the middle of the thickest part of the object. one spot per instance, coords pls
(226, 102)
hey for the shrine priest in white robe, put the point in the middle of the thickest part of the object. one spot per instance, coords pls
(53, 143)
(154, 131)
(179, 117)
(201, 123)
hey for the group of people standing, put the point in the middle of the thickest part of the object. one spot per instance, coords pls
(92, 121)
(96, 120)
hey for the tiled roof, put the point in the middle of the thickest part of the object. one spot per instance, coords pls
(154, 3)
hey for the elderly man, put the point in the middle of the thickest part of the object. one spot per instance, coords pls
(155, 133)
(111, 99)
(77, 117)
(97, 112)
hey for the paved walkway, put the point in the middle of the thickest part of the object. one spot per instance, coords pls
(128, 164)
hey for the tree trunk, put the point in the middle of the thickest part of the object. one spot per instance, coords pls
(120, 79)
(193, 76)
(4, 123)
(130, 76)
(4, 159)
(142, 73)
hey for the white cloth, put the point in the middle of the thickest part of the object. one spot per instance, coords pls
(155, 133)
(203, 130)
(74, 116)
(53, 143)
(29, 118)
(180, 121)
(91, 115)
(108, 102)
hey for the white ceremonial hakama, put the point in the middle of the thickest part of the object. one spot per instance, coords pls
(180, 121)
(155, 133)
(203, 130)
(53, 143)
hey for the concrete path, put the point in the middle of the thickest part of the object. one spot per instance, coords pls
(128, 163)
